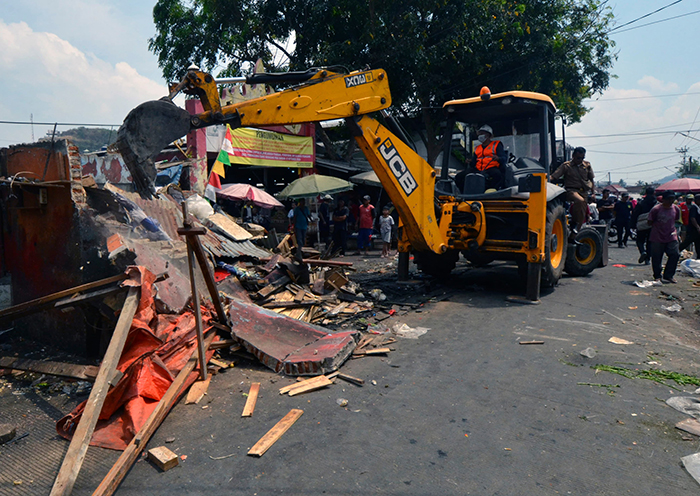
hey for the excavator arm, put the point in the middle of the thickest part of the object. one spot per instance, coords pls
(406, 177)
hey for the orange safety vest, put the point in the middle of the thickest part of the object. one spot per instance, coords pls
(486, 156)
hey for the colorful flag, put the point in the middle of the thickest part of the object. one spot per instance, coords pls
(213, 186)
(225, 154)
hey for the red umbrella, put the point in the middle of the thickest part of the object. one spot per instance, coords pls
(682, 185)
(242, 192)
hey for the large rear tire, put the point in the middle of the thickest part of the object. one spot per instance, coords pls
(555, 244)
(583, 258)
(438, 266)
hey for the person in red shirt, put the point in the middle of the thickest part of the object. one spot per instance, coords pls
(685, 211)
(365, 222)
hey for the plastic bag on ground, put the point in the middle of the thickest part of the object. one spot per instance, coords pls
(691, 267)
(404, 331)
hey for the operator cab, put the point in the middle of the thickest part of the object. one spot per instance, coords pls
(522, 121)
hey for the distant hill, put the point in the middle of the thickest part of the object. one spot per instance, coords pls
(91, 139)
(666, 179)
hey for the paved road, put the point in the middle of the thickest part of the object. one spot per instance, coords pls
(465, 409)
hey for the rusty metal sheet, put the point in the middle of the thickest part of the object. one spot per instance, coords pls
(288, 345)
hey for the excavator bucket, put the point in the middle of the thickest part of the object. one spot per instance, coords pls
(144, 133)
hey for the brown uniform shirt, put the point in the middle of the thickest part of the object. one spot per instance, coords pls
(577, 178)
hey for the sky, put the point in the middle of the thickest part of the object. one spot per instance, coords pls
(87, 62)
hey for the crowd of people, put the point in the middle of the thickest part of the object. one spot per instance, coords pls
(664, 224)
(336, 224)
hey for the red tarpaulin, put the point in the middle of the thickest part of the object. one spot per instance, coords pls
(157, 347)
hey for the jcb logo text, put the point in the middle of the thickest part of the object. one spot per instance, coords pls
(398, 167)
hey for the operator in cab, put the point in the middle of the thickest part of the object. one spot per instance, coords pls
(578, 182)
(489, 159)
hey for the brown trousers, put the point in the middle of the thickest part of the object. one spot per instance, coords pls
(579, 207)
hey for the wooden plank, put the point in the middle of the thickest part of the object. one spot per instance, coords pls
(321, 383)
(349, 378)
(689, 425)
(83, 372)
(318, 378)
(289, 304)
(28, 307)
(88, 297)
(77, 449)
(208, 278)
(338, 308)
(197, 391)
(163, 458)
(317, 262)
(252, 400)
(119, 470)
(375, 351)
(275, 433)
(273, 287)
(221, 363)
(299, 297)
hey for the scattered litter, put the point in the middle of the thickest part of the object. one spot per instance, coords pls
(342, 402)
(672, 308)
(685, 404)
(588, 353)
(404, 331)
(221, 457)
(163, 458)
(691, 267)
(169, 440)
(632, 308)
(531, 342)
(374, 383)
(647, 284)
(615, 340)
(622, 266)
(692, 465)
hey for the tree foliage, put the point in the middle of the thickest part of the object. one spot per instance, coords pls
(86, 138)
(433, 50)
(689, 167)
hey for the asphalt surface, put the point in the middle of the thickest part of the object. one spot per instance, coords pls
(464, 409)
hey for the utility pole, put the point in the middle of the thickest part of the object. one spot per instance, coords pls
(684, 165)
(609, 180)
(31, 119)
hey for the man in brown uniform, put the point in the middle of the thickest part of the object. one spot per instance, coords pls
(578, 182)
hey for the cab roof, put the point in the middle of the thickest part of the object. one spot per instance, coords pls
(526, 95)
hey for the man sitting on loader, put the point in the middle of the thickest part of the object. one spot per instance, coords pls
(578, 182)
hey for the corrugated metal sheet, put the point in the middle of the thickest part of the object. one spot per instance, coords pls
(169, 216)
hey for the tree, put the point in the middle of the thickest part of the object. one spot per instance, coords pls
(433, 51)
(691, 167)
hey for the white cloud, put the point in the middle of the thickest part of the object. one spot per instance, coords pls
(654, 84)
(606, 132)
(55, 81)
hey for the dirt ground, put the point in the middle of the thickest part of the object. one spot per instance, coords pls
(463, 409)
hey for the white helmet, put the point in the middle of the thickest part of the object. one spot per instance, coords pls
(486, 128)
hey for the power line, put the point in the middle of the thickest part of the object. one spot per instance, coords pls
(640, 97)
(661, 20)
(635, 134)
(644, 16)
(630, 153)
(57, 123)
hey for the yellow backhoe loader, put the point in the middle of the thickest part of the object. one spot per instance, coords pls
(525, 221)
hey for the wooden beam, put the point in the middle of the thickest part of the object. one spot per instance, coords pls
(321, 383)
(208, 278)
(275, 433)
(83, 372)
(318, 262)
(252, 400)
(75, 455)
(32, 306)
(349, 378)
(117, 473)
(318, 378)
(87, 297)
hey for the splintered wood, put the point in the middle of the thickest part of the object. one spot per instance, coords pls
(275, 433)
(312, 384)
(252, 400)
(197, 391)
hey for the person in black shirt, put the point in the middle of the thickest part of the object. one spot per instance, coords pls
(692, 234)
(605, 207)
(340, 227)
(623, 212)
